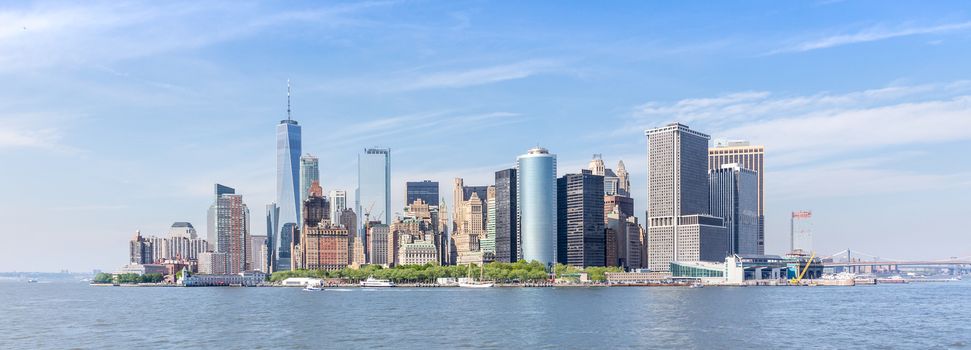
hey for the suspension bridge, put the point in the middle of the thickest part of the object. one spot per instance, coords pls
(858, 261)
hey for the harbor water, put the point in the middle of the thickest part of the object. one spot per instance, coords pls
(75, 315)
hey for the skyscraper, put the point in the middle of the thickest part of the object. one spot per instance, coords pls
(140, 250)
(488, 242)
(748, 157)
(427, 190)
(734, 197)
(229, 226)
(309, 172)
(272, 235)
(581, 239)
(623, 183)
(256, 251)
(287, 187)
(469, 226)
(536, 195)
(596, 165)
(801, 232)
(373, 200)
(338, 202)
(507, 235)
(679, 227)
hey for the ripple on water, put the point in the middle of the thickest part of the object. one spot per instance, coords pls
(871, 317)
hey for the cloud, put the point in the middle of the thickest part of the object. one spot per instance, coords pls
(60, 34)
(859, 176)
(14, 138)
(477, 76)
(413, 126)
(423, 78)
(814, 141)
(874, 33)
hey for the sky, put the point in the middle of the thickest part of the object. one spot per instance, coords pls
(120, 116)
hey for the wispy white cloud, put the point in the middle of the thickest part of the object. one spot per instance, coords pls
(477, 76)
(875, 33)
(19, 138)
(824, 134)
(411, 126)
(862, 176)
(426, 78)
(61, 34)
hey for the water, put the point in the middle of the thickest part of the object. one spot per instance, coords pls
(69, 315)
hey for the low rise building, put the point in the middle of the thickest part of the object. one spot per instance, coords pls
(746, 268)
(245, 278)
(142, 269)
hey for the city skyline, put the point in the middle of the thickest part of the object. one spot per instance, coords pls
(869, 146)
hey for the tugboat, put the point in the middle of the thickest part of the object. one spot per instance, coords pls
(374, 282)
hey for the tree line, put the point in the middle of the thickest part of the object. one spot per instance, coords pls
(517, 272)
(128, 278)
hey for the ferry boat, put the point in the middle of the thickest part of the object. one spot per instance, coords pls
(374, 282)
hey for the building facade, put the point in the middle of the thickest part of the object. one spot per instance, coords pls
(338, 202)
(749, 157)
(536, 196)
(325, 247)
(506, 217)
(229, 226)
(212, 263)
(581, 235)
(425, 190)
(140, 250)
(734, 197)
(257, 253)
(379, 244)
(679, 227)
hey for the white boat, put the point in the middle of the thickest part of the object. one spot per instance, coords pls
(470, 283)
(476, 284)
(312, 289)
(374, 282)
(697, 285)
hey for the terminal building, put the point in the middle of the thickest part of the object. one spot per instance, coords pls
(746, 269)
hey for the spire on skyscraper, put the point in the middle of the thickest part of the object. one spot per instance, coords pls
(288, 99)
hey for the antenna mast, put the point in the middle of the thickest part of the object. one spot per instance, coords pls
(288, 99)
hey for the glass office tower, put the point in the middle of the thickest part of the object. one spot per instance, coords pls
(536, 195)
(373, 202)
(287, 188)
(309, 172)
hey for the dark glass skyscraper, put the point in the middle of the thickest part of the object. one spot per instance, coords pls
(426, 190)
(507, 239)
(581, 239)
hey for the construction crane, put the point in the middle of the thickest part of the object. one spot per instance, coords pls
(795, 281)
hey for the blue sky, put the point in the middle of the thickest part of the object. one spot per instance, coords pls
(118, 116)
